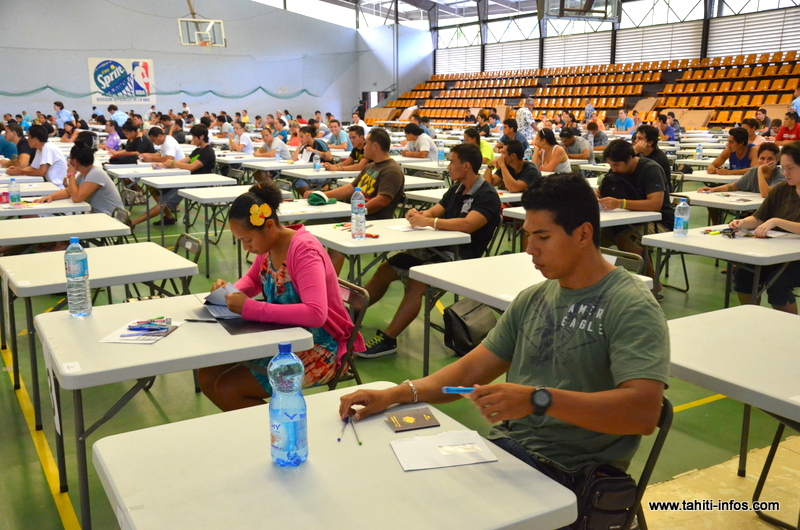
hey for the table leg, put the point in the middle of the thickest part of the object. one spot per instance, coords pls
(37, 404)
(60, 458)
(743, 444)
(83, 471)
(2, 320)
(351, 274)
(426, 346)
(728, 283)
(161, 209)
(147, 212)
(186, 203)
(205, 211)
(657, 268)
(12, 334)
(756, 282)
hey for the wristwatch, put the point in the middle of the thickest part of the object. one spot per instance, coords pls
(541, 400)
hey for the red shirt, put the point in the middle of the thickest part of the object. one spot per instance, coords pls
(788, 134)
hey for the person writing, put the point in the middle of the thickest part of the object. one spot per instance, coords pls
(780, 211)
(760, 179)
(296, 277)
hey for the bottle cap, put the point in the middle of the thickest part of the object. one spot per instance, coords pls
(284, 347)
(358, 189)
(13, 179)
(683, 199)
(74, 240)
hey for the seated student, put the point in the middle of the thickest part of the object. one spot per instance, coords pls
(585, 353)
(356, 161)
(790, 129)
(495, 125)
(239, 141)
(173, 128)
(751, 126)
(512, 171)
(85, 182)
(646, 144)
(648, 193)
(510, 132)
(599, 138)
(271, 147)
(569, 122)
(760, 179)
(381, 181)
(471, 205)
(170, 148)
(779, 211)
(25, 124)
(48, 162)
(577, 147)
(117, 115)
(62, 116)
(472, 136)
(245, 117)
(112, 140)
(419, 144)
(597, 121)
(137, 144)
(24, 153)
(665, 132)
(338, 138)
(425, 123)
(311, 145)
(764, 122)
(547, 154)
(484, 129)
(775, 126)
(294, 134)
(739, 152)
(323, 132)
(293, 272)
(637, 121)
(259, 123)
(70, 132)
(8, 149)
(279, 130)
(675, 124)
(201, 160)
(361, 123)
(225, 128)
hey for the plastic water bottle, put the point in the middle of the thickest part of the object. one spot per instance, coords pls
(442, 159)
(13, 192)
(528, 154)
(288, 425)
(76, 265)
(358, 215)
(317, 163)
(591, 140)
(277, 156)
(682, 218)
(698, 153)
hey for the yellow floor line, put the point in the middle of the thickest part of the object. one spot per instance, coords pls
(693, 404)
(63, 503)
(440, 306)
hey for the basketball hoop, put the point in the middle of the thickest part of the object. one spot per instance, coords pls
(203, 43)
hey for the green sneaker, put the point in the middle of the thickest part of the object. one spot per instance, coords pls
(379, 346)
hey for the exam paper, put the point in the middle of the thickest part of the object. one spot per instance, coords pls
(215, 302)
(408, 228)
(448, 449)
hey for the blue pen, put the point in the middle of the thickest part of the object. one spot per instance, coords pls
(147, 328)
(141, 333)
(457, 389)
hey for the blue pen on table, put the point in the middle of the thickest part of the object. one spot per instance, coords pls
(141, 333)
(148, 328)
(457, 389)
(344, 426)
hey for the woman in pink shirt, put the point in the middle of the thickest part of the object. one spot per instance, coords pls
(295, 275)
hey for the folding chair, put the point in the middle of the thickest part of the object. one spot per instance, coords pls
(627, 260)
(356, 300)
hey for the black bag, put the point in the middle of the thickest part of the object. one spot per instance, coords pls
(619, 187)
(606, 496)
(466, 324)
(123, 159)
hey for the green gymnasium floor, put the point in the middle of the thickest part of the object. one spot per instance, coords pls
(705, 430)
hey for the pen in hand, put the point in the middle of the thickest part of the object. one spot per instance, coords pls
(457, 389)
(344, 426)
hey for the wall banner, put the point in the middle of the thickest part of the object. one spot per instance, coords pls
(122, 81)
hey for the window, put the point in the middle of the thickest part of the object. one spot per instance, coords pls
(771, 31)
(642, 13)
(458, 60)
(519, 55)
(576, 50)
(458, 36)
(512, 30)
(660, 43)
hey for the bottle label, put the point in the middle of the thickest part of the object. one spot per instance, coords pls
(289, 432)
(76, 268)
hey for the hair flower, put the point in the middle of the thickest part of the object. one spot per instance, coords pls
(259, 214)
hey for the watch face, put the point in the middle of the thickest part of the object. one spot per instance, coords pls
(541, 398)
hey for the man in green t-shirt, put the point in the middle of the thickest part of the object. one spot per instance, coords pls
(586, 352)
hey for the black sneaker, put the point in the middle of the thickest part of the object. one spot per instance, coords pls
(167, 221)
(379, 346)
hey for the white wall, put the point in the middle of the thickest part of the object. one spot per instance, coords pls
(267, 47)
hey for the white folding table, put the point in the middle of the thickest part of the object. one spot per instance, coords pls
(60, 206)
(435, 195)
(705, 176)
(153, 478)
(410, 183)
(181, 181)
(753, 251)
(388, 238)
(748, 353)
(29, 275)
(734, 201)
(494, 281)
(33, 189)
(22, 179)
(76, 360)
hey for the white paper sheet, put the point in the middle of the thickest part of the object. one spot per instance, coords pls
(453, 448)
(216, 302)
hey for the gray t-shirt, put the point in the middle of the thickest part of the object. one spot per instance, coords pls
(585, 340)
(749, 181)
(106, 197)
(280, 147)
(424, 143)
(578, 146)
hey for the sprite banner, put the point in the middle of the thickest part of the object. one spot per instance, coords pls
(122, 81)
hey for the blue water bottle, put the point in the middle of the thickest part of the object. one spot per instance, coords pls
(287, 408)
(76, 266)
